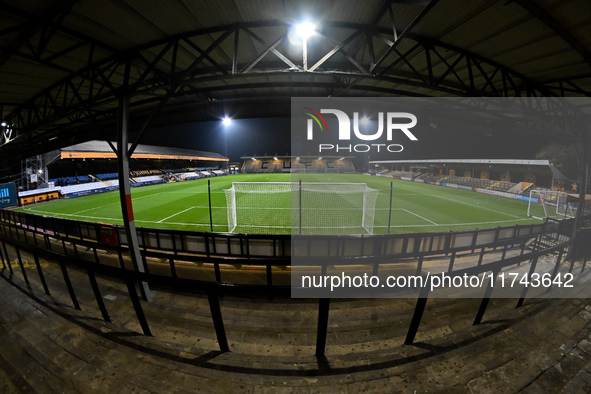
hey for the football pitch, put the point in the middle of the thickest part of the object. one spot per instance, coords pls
(416, 207)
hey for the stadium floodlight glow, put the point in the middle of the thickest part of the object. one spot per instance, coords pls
(305, 30)
(275, 158)
(3, 124)
(227, 121)
(253, 159)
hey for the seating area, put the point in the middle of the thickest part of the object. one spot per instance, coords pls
(90, 178)
(104, 177)
(457, 180)
(148, 179)
(476, 182)
(95, 183)
(88, 188)
(303, 165)
(146, 173)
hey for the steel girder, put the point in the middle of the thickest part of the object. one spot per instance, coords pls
(35, 32)
(348, 59)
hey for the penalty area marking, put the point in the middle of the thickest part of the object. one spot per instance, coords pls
(419, 216)
(178, 213)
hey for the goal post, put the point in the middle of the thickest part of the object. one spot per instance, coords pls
(306, 208)
(549, 204)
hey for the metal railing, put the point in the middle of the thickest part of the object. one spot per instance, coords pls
(61, 240)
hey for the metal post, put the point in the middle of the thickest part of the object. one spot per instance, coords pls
(417, 316)
(209, 196)
(218, 322)
(69, 284)
(137, 306)
(2, 258)
(7, 258)
(125, 193)
(323, 308)
(485, 299)
(524, 291)
(305, 53)
(300, 203)
(41, 276)
(390, 210)
(20, 262)
(97, 293)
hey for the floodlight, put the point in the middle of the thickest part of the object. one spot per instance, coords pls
(3, 124)
(275, 158)
(227, 121)
(305, 30)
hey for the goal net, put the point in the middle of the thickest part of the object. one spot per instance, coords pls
(306, 208)
(549, 204)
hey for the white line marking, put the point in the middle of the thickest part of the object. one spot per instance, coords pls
(56, 214)
(475, 206)
(99, 207)
(419, 216)
(178, 213)
(454, 224)
(115, 203)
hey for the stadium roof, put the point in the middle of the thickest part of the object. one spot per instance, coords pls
(102, 150)
(65, 64)
(504, 164)
(467, 161)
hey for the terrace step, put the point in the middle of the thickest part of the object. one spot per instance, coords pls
(49, 346)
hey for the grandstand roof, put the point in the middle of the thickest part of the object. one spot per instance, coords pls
(102, 150)
(64, 64)
(283, 157)
(467, 161)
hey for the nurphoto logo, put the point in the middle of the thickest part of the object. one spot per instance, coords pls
(394, 122)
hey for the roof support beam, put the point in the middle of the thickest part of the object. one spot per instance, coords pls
(177, 85)
(337, 48)
(428, 65)
(46, 25)
(272, 49)
(406, 31)
(125, 196)
(558, 28)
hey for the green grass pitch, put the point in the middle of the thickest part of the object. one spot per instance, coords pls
(416, 207)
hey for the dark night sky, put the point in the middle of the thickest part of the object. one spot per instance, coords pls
(245, 137)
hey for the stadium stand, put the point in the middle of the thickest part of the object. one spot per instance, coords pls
(286, 164)
(457, 180)
(88, 184)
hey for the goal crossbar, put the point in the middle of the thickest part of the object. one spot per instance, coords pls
(306, 207)
(549, 204)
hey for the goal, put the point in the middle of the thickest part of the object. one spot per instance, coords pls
(310, 208)
(549, 204)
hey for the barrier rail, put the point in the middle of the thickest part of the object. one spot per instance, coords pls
(61, 240)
